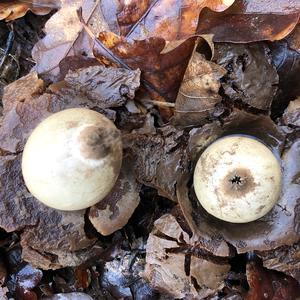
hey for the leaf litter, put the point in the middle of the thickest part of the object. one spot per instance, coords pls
(150, 238)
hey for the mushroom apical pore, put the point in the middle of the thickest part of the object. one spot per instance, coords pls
(72, 159)
(237, 179)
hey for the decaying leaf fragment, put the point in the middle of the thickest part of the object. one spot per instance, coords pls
(198, 94)
(250, 78)
(11, 10)
(294, 39)
(251, 21)
(178, 267)
(93, 82)
(65, 36)
(265, 284)
(291, 115)
(162, 72)
(285, 259)
(287, 63)
(114, 211)
(158, 160)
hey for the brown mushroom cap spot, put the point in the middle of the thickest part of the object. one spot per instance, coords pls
(97, 142)
(238, 183)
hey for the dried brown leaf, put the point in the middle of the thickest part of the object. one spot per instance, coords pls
(198, 93)
(162, 73)
(65, 36)
(11, 10)
(251, 21)
(152, 23)
(175, 266)
(158, 160)
(73, 63)
(170, 20)
(287, 63)
(250, 78)
(285, 259)
(265, 284)
(107, 87)
(114, 211)
(57, 259)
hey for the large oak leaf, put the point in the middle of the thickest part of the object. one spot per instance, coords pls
(171, 20)
(251, 20)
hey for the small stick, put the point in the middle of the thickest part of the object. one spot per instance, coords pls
(160, 103)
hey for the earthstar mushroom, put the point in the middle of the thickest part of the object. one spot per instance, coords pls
(72, 159)
(237, 179)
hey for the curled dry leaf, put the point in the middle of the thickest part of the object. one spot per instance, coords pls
(93, 83)
(280, 226)
(65, 36)
(198, 94)
(170, 20)
(265, 284)
(11, 10)
(250, 77)
(251, 20)
(158, 160)
(178, 267)
(114, 211)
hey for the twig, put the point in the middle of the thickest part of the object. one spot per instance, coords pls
(160, 103)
